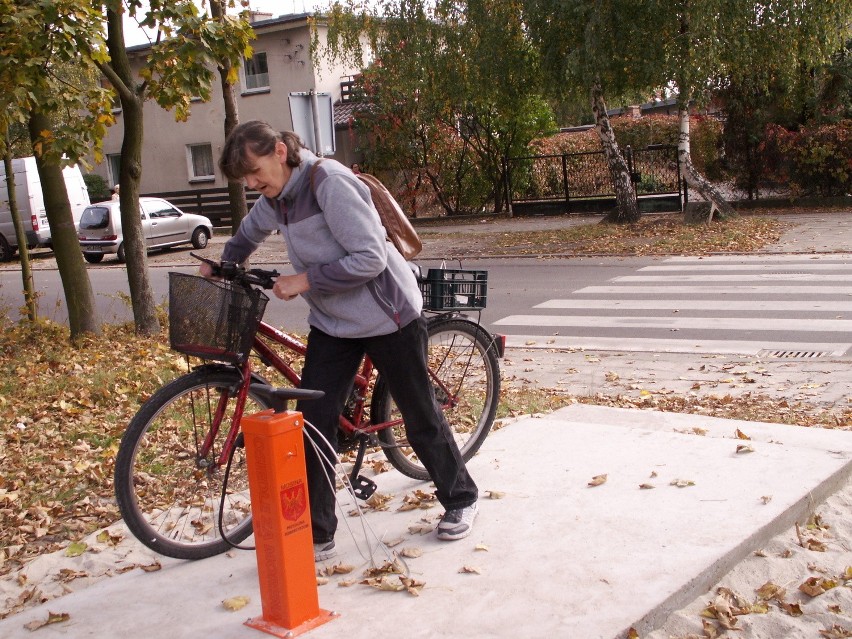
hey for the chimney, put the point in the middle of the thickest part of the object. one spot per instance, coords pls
(257, 16)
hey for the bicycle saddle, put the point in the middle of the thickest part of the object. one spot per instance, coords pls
(277, 398)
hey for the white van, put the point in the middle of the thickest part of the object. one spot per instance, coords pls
(30, 202)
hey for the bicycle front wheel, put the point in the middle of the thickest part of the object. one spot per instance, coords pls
(465, 376)
(168, 475)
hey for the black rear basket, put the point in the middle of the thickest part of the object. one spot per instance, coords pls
(447, 289)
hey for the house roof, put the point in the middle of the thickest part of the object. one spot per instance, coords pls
(269, 22)
(344, 112)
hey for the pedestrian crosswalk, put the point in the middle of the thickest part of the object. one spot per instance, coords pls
(799, 304)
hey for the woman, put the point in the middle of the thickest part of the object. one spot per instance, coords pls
(363, 298)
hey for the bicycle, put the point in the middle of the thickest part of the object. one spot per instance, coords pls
(180, 476)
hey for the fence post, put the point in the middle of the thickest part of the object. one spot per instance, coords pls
(507, 183)
(565, 181)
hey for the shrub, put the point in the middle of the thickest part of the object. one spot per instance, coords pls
(97, 187)
(813, 161)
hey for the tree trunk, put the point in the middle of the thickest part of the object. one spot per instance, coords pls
(717, 202)
(82, 311)
(20, 234)
(626, 205)
(236, 192)
(141, 293)
(135, 250)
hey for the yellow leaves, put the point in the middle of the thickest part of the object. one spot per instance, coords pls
(815, 586)
(235, 603)
(652, 235)
(76, 548)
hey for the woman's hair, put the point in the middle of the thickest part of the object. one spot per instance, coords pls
(260, 139)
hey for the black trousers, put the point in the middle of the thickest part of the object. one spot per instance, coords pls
(330, 365)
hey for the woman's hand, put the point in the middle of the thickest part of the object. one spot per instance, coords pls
(288, 287)
(205, 270)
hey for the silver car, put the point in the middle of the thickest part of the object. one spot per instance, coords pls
(163, 225)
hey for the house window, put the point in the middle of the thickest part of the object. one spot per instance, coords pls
(114, 163)
(200, 160)
(256, 72)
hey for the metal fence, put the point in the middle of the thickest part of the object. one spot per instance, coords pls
(573, 182)
(552, 184)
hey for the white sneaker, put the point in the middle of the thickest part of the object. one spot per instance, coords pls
(457, 523)
(324, 551)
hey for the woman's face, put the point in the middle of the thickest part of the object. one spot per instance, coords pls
(269, 173)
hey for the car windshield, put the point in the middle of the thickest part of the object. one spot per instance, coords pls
(94, 217)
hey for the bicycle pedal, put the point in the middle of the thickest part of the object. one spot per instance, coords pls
(363, 487)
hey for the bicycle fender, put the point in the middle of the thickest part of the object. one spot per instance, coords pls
(255, 378)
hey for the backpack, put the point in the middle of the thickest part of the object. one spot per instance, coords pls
(398, 228)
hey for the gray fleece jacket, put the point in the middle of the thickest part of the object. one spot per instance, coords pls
(360, 286)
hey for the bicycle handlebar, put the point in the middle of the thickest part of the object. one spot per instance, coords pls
(232, 271)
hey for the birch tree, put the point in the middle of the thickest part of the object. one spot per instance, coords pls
(583, 47)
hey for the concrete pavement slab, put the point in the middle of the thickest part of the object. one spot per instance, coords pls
(551, 556)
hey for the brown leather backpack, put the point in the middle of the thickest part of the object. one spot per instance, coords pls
(399, 230)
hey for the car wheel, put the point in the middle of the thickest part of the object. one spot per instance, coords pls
(93, 258)
(200, 237)
(120, 254)
(6, 251)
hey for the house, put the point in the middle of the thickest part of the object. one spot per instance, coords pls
(183, 156)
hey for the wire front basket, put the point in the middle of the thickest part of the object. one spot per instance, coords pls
(213, 319)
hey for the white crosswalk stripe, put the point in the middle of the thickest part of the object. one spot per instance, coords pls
(716, 304)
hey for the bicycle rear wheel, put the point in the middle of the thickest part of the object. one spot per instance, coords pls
(168, 491)
(466, 379)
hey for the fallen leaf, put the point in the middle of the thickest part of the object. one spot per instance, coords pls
(682, 483)
(770, 591)
(76, 548)
(811, 587)
(411, 553)
(495, 494)
(235, 603)
(597, 480)
(387, 584)
(470, 570)
(646, 486)
(52, 617)
(744, 448)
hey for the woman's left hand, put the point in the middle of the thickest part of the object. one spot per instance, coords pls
(288, 287)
